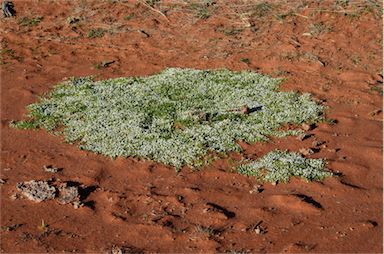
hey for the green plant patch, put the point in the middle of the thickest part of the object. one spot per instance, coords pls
(280, 166)
(96, 33)
(26, 21)
(176, 117)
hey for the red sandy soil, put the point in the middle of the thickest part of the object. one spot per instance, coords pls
(141, 206)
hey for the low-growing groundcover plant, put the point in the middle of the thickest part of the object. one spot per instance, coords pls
(279, 166)
(176, 117)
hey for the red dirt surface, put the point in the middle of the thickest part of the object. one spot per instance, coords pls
(328, 48)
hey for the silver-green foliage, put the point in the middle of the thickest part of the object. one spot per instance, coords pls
(280, 166)
(175, 117)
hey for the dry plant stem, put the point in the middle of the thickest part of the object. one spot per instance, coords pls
(153, 9)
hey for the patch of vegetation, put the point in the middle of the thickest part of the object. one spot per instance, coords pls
(7, 52)
(262, 9)
(152, 3)
(283, 16)
(26, 21)
(377, 88)
(175, 117)
(280, 166)
(96, 33)
(203, 9)
(11, 227)
(43, 226)
(245, 60)
(319, 28)
(25, 125)
(129, 17)
(232, 31)
(210, 231)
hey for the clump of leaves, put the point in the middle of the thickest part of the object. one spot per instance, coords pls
(280, 166)
(96, 33)
(175, 117)
(26, 21)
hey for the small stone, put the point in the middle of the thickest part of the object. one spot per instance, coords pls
(2, 181)
(375, 112)
(77, 204)
(370, 224)
(37, 190)
(308, 127)
(306, 151)
(333, 150)
(68, 194)
(116, 250)
(317, 143)
(257, 230)
(257, 189)
(51, 169)
(14, 196)
(303, 136)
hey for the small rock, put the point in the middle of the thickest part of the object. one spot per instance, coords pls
(375, 112)
(308, 127)
(257, 189)
(317, 143)
(305, 151)
(77, 204)
(14, 196)
(68, 194)
(370, 224)
(333, 150)
(37, 190)
(51, 169)
(2, 181)
(303, 136)
(116, 250)
(257, 230)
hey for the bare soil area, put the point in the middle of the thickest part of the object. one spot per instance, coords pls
(331, 49)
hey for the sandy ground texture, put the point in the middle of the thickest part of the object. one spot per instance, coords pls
(332, 49)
